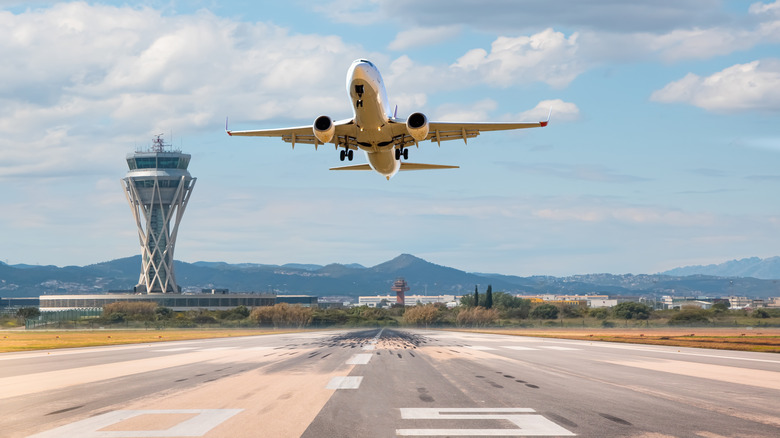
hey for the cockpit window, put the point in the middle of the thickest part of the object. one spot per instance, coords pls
(367, 62)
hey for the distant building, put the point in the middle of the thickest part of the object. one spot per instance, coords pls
(176, 302)
(302, 300)
(18, 303)
(409, 300)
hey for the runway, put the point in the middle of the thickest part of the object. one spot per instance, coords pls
(388, 383)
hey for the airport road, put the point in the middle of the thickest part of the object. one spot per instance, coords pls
(386, 383)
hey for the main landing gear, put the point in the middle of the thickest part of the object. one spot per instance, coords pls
(402, 152)
(346, 153)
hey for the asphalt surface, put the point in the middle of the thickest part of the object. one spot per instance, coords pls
(386, 383)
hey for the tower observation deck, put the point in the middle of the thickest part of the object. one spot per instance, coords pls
(158, 187)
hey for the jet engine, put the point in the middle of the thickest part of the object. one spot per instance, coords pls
(417, 125)
(324, 129)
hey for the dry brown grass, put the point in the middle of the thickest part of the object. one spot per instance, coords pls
(762, 339)
(17, 340)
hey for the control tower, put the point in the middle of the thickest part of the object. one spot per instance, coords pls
(158, 187)
(400, 287)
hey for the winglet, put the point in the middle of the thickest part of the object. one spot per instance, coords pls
(226, 127)
(545, 122)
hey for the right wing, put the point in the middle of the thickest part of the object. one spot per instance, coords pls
(344, 135)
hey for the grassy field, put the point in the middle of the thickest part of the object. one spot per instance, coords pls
(18, 340)
(762, 340)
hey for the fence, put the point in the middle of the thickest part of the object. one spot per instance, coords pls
(47, 318)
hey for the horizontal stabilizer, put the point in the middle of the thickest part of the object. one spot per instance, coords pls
(353, 167)
(421, 166)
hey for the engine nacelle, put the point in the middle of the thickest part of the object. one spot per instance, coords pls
(417, 125)
(324, 129)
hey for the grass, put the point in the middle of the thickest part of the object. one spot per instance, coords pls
(760, 340)
(18, 340)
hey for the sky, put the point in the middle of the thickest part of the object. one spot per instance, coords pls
(663, 149)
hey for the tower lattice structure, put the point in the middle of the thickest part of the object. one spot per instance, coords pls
(158, 188)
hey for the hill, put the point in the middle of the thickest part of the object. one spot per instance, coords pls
(353, 280)
(765, 269)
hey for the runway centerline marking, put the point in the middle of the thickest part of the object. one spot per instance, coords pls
(551, 347)
(360, 359)
(345, 382)
(480, 347)
(528, 423)
(202, 421)
(518, 348)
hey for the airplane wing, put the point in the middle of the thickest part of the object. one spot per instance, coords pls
(344, 135)
(443, 131)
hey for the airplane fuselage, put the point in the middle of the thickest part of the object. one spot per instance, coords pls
(371, 110)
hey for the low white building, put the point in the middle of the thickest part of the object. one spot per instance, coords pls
(409, 300)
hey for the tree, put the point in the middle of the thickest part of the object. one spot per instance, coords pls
(489, 297)
(476, 296)
(545, 311)
(28, 312)
(632, 310)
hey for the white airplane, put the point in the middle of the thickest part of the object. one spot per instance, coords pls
(379, 133)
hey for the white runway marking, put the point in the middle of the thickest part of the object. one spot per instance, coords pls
(345, 382)
(514, 347)
(217, 349)
(360, 359)
(369, 347)
(528, 423)
(201, 423)
(559, 348)
(480, 347)
(175, 349)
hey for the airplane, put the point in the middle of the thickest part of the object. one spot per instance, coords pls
(377, 131)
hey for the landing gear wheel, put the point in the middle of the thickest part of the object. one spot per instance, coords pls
(350, 155)
(398, 154)
(406, 154)
(342, 154)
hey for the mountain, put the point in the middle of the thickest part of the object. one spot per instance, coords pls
(765, 269)
(353, 280)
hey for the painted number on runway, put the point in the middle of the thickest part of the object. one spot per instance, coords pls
(526, 422)
(141, 424)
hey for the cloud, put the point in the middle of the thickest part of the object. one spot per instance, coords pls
(561, 111)
(741, 87)
(512, 16)
(121, 74)
(627, 214)
(547, 56)
(423, 36)
(578, 172)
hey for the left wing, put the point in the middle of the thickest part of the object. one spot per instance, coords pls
(344, 135)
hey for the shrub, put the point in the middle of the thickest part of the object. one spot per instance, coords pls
(130, 311)
(599, 312)
(545, 311)
(632, 310)
(689, 317)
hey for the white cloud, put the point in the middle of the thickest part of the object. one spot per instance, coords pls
(423, 36)
(561, 111)
(122, 73)
(741, 87)
(547, 56)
